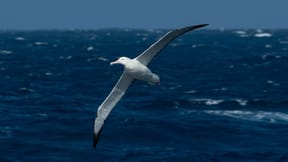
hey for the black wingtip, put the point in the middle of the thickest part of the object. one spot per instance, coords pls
(189, 28)
(201, 25)
(96, 138)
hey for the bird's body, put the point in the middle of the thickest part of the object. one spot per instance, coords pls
(137, 70)
(134, 69)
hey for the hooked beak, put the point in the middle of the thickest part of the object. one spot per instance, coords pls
(114, 62)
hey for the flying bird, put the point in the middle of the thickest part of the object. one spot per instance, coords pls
(135, 68)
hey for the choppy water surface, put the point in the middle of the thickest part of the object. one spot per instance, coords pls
(223, 96)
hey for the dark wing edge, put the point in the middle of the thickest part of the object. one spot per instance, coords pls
(96, 137)
(106, 107)
(146, 56)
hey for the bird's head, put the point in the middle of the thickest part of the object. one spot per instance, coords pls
(121, 60)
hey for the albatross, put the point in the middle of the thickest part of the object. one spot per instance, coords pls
(135, 68)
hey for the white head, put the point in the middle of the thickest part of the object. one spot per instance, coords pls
(121, 60)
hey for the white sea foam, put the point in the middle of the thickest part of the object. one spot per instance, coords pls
(5, 52)
(241, 102)
(144, 38)
(90, 48)
(19, 38)
(241, 33)
(102, 59)
(210, 102)
(42, 115)
(259, 35)
(173, 44)
(206, 101)
(24, 89)
(197, 45)
(259, 30)
(175, 86)
(273, 83)
(268, 46)
(259, 116)
(49, 74)
(41, 43)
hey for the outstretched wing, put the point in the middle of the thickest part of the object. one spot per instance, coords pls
(146, 56)
(111, 100)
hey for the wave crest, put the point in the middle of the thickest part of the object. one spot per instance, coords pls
(260, 116)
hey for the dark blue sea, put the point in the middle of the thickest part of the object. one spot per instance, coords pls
(223, 96)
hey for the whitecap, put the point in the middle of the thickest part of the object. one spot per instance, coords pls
(102, 59)
(206, 101)
(19, 38)
(273, 83)
(260, 35)
(42, 114)
(270, 81)
(244, 35)
(240, 32)
(241, 102)
(277, 57)
(41, 43)
(259, 30)
(173, 44)
(197, 45)
(268, 46)
(175, 87)
(49, 74)
(5, 52)
(24, 89)
(264, 56)
(258, 116)
(90, 48)
(144, 39)
(231, 66)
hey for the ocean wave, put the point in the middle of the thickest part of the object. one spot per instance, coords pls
(90, 48)
(209, 102)
(41, 43)
(258, 116)
(241, 33)
(5, 52)
(260, 35)
(19, 38)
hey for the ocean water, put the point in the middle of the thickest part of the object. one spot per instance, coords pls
(223, 96)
